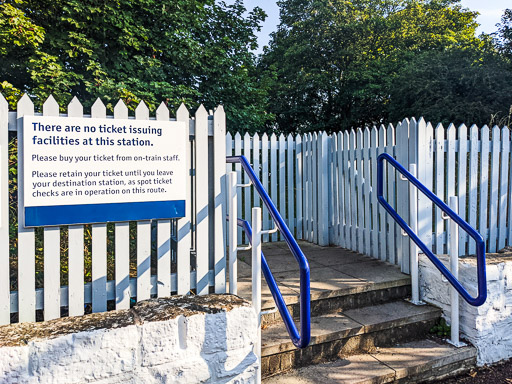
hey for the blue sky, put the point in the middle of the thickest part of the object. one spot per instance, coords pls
(490, 14)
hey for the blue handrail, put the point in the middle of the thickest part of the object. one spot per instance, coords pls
(480, 245)
(299, 340)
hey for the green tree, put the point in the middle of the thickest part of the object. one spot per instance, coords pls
(459, 86)
(332, 62)
(19, 39)
(505, 34)
(191, 51)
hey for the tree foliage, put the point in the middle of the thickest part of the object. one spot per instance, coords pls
(459, 86)
(331, 64)
(505, 34)
(191, 51)
(334, 64)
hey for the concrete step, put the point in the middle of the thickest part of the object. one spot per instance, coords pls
(347, 333)
(413, 362)
(340, 280)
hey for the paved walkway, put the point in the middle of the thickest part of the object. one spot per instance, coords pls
(334, 272)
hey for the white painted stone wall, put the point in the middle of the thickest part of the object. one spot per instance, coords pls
(488, 327)
(201, 348)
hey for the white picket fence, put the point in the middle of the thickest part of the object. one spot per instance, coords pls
(322, 185)
(193, 246)
(325, 185)
(475, 165)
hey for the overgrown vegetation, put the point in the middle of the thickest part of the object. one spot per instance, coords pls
(334, 65)
(441, 329)
(331, 65)
(190, 51)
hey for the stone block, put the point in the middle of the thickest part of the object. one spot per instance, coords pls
(160, 343)
(78, 356)
(176, 340)
(14, 362)
(242, 328)
(193, 370)
(487, 327)
(229, 365)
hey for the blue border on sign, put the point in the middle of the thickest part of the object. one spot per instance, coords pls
(103, 213)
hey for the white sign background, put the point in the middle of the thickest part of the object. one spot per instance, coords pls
(101, 167)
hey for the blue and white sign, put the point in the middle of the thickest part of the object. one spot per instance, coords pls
(83, 170)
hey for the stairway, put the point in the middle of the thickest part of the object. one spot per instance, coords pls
(363, 329)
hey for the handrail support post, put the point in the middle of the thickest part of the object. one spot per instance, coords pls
(449, 212)
(454, 269)
(232, 232)
(256, 281)
(302, 339)
(414, 251)
(480, 244)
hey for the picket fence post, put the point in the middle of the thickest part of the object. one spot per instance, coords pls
(391, 188)
(309, 201)
(323, 190)
(290, 201)
(473, 182)
(264, 179)
(402, 193)
(359, 186)
(341, 191)
(382, 212)
(299, 176)
(273, 177)
(51, 247)
(494, 202)
(484, 183)
(144, 232)
(99, 243)
(375, 204)
(201, 204)
(462, 186)
(424, 145)
(26, 236)
(5, 294)
(122, 242)
(256, 166)
(219, 177)
(246, 192)
(282, 180)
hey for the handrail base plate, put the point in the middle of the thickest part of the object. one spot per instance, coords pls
(419, 302)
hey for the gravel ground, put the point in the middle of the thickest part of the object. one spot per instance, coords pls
(500, 373)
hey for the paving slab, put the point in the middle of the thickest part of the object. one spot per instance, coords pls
(244, 269)
(360, 369)
(275, 339)
(280, 260)
(374, 271)
(290, 296)
(336, 256)
(268, 249)
(391, 314)
(334, 272)
(325, 282)
(350, 323)
(407, 363)
(306, 246)
(412, 358)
